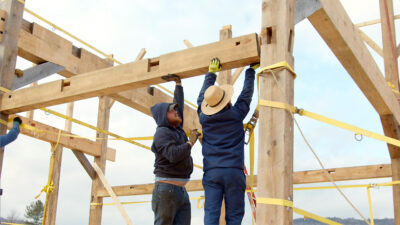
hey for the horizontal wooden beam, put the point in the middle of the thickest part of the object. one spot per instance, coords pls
(39, 45)
(235, 52)
(302, 177)
(50, 134)
(343, 38)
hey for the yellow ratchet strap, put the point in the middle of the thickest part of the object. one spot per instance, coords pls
(330, 121)
(287, 203)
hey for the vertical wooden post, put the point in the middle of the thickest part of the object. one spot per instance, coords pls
(51, 209)
(275, 157)
(224, 77)
(8, 52)
(390, 127)
(102, 123)
(30, 114)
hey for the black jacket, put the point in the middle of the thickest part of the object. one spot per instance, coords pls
(170, 145)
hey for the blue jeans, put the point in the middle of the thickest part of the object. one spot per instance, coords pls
(220, 182)
(170, 204)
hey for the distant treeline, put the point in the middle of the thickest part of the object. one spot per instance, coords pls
(348, 221)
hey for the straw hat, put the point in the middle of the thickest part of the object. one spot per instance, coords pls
(216, 98)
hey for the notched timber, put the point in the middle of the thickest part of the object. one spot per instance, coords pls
(235, 52)
(301, 177)
(40, 48)
(50, 134)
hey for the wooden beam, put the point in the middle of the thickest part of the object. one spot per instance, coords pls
(225, 76)
(103, 120)
(85, 164)
(51, 209)
(38, 44)
(141, 100)
(13, 10)
(112, 194)
(233, 53)
(336, 28)
(50, 134)
(300, 177)
(390, 127)
(275, 146)
(139, 57)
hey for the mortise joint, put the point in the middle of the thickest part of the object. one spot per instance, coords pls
(65, 83)
(153, 64)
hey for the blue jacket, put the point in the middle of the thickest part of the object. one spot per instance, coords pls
(170, 145)
(223, 133)
(10, 136)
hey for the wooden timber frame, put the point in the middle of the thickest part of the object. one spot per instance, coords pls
(275, 44)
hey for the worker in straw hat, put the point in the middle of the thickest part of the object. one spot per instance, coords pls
(173, 163)
(223, 145)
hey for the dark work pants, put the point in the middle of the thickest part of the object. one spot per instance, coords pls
(170, 204)
(220, 182)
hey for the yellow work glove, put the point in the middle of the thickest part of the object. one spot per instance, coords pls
(214, 66)
(193, 136)
(255, 66)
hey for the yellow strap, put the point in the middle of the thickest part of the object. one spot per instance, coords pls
(251, 161)
(330, 121)
(371, 215)
(287, 203)
(393, 88)
(283, 65)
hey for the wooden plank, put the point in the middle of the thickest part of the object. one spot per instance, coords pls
(103, 120)
(13, 10)
(275, 147)
(372, 22)
(186, 63)
(112, 194)
(371, 43)
(336, 28)
(300, 177)
(390, 127)
(41, 48)
(51, 135)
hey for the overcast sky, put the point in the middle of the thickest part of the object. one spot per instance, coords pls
(123, 27)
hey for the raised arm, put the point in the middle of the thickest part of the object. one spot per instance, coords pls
(244, 99)
(179, 98)
(12, 134)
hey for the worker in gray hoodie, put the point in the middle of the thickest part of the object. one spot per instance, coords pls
(173, 163)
